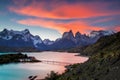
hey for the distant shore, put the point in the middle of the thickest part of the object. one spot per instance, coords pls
(16, 58)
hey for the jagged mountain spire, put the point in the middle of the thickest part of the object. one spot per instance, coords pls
(68, 35)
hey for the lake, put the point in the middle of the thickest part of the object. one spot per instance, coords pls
(21, 71)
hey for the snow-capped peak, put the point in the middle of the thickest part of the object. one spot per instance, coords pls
(24, 35)
(100, 33)
(26, 31)
(48, 42)
(36, 40)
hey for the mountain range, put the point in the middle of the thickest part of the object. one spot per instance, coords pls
(11, 40)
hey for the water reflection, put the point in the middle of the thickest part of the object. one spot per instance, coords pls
(23, 70)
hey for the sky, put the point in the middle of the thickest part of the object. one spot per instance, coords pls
(51, 18)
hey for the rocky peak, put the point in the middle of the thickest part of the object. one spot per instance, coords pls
(48, 42)
(77, 34)
(100, 33)
(68, 35)
(26, 31)
(5, 31)
(37, 37)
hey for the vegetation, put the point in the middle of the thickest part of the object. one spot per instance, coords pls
(14, 58)
(104, 62)
(105, 44)
(52, 76)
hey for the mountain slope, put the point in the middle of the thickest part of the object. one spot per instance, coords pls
(68, 40)
(48, 42)
(19, 40)
(12, 40)
(104, 63)
(106, 43)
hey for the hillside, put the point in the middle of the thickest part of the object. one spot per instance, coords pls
(104, 44)
(104, 63)
(21, 41)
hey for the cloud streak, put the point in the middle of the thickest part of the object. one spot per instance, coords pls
(65, 10)
(83, 27)
(45, 13)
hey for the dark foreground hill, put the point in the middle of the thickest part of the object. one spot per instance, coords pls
(104, 62)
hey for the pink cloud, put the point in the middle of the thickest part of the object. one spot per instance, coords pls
(63, 10)
(117, 28)
(61, 27)
(103, 20)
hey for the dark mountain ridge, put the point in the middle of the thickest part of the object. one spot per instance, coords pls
(69, 41)
(12, 40)
(19, 41)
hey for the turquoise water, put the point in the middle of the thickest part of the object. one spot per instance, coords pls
(21, 71)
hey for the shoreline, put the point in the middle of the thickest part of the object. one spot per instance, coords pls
(17, 58)
(38, 78)
(34, 78)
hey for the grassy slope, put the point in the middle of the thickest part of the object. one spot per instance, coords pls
(104, 63)
(104, 44)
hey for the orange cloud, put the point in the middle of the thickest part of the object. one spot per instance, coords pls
(64, 10)
(61, 27)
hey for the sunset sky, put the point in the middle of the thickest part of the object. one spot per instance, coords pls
(50, 18)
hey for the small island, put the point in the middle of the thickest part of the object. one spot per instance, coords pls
(17, 58)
